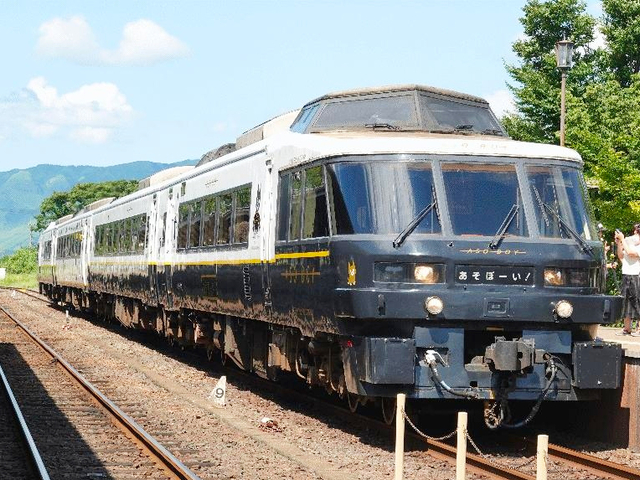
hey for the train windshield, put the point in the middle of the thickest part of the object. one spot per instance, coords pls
(560, 196)
(382, 197)
(481, 198)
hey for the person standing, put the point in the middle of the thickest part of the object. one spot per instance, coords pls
(628, 253)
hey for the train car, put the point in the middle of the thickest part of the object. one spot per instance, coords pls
(375, 242)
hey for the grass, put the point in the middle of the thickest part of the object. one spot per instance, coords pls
(20, 280)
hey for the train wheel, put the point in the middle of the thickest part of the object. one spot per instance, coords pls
(388, 410)
(353, 400)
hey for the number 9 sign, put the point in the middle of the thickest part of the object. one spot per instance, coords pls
(219, 394)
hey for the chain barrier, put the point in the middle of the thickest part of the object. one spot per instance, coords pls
(484, 456)
(424, 435)
(493, 462)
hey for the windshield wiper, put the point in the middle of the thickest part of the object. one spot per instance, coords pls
(493, 131)
(583, 243)
(386, 126)
(497, 238)
(464, 126)
(413, 224)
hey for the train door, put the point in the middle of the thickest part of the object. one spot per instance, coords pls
(167, 224)
(301, 275)
(263, 222)
(152, 252)
(86, 247)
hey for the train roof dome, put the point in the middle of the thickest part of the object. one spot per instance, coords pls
(399, 107)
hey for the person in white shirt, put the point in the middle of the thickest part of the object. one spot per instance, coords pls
(628, 251)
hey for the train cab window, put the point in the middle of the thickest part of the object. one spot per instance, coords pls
(481, 198)
(315, 220)
(194, 224)
(383, 197)
(296, 206)
(209, 230)
(224, 219)
(284, 206)
(560, 195)
(183, 225)
(241, 217)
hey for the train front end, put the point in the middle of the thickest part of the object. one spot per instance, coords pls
(467, 265)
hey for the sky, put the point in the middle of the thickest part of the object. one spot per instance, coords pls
(110, 82)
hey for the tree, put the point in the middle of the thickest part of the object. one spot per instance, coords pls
(603, 96)
(59, 204)
(621, 26)
(537, 91)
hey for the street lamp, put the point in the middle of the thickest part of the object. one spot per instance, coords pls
(564, 59)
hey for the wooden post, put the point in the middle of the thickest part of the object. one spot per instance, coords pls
(400, 402)
(461, 449)
(543, 449)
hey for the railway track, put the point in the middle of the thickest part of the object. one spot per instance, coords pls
(563, 461)
(18, 452)
(81, 433)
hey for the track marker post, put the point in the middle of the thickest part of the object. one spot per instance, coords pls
(400, 402)
(461, 447)
(219, 394)
(543, 450)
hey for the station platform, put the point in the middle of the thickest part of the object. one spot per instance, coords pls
(616, 417)
(630, 343)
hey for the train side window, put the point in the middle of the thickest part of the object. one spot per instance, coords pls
(196, 217)
(316, 223)
(209, 231)
(128, 240)
(241, 217)
(135, 231)
(284, 206)
(143, 233)
(163, 232)
(296, 206)
(224, 219)
(183, 225)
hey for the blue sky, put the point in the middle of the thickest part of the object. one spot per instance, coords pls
(104, 83)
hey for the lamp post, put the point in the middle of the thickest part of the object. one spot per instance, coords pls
(564, 59)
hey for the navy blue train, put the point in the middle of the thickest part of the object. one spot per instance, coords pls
(375, 242)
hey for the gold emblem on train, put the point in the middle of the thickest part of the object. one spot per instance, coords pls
(351, 273)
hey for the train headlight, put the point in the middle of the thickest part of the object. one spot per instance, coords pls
(568, 277)
(564, 309)
(553, 277)
(434, 305)
(425, 274)
(395, 272)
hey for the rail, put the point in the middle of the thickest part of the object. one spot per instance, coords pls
(34, 455)
(174, 467)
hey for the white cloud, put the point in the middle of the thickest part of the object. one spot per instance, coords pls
(89, 114)
(143, 43)
(501, 102)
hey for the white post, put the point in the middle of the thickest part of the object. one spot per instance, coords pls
(543, 449)
(400, 402)
(461, 449)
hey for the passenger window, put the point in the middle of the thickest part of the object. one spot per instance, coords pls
(316, 223)
(209, 221)
(142, 234)
(183, 225)
(296, 205)
(196, 215)
(284, 207)
(241, 220)
(224, 219)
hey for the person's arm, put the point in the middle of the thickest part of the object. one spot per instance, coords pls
(619, 244)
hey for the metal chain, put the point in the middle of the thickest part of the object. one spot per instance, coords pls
(424, 435)
(527, 462)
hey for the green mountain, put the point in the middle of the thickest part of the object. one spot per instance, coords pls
(22, 191)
